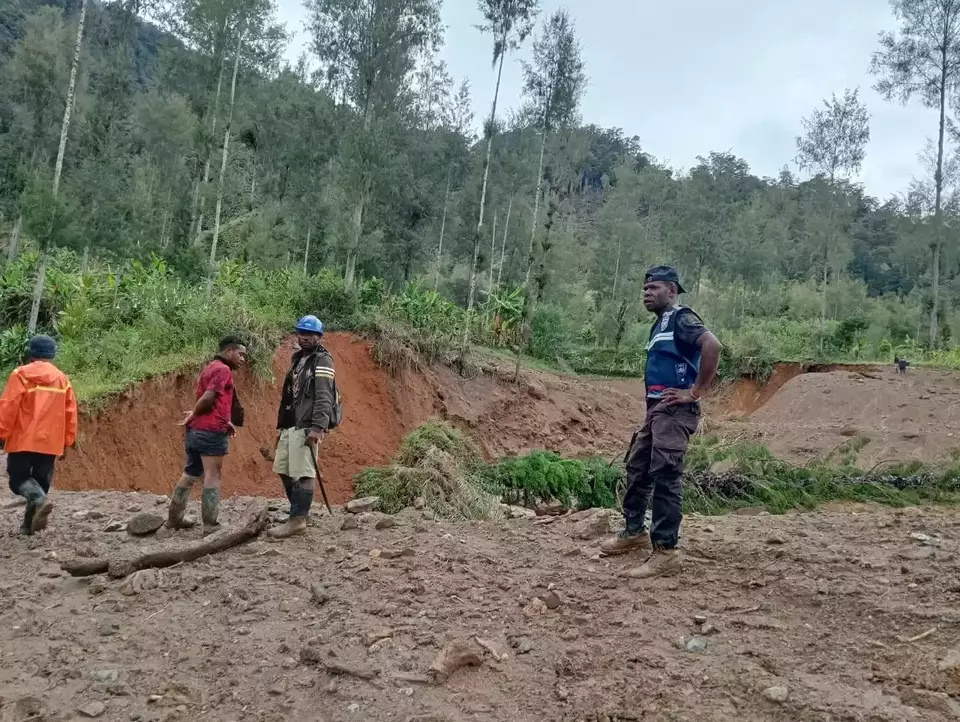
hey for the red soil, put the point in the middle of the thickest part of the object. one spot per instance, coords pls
(136, 445)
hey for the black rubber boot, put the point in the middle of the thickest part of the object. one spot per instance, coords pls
(210, 509)
(36, 500)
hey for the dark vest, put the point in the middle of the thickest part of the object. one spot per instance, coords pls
(669, 367)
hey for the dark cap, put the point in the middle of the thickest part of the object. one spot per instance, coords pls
(664, 273)
(42, 347)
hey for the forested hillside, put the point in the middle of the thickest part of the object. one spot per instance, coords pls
(191, 146)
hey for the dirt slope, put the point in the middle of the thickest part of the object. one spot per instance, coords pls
(820, 604)
(135, 443)
(900, 418)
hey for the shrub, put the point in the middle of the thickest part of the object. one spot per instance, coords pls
(551, 336)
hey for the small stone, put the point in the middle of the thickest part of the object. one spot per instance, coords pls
(419, 503)
(375, 553)
(161, 500)
(535, 608)
(50, 557)
(386, 522)
(708, 629)
(454, 655)
(278, 688)
(562, 692)
(319, 594)
(551, 599)
(709, 528)
(144, 524)
(391, 554)
(115, 526)
(359, 506)
(570, 635)
(353, 708)
(96, 587)
(429, 514)
(372, 636)
(154, 698)
(134, 508)
(285, 605)
(108, 629)
(408, 691)
(106, 676)
(349, 522)
(922, 538)
(699, 619)
(522, 645)
(92, 709)
(776, 539)
(695, 644)
(776, 694)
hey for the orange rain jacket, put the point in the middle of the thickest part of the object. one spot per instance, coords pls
(38, 410)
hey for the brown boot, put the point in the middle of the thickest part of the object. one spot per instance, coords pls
(663, 563)
(623, 543)
(291, 527)
(42, 515)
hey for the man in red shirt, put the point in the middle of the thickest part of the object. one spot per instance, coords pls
(210, 425)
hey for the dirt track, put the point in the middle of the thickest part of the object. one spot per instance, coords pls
(817, 603)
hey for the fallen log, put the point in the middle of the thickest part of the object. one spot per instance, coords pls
(252, 522)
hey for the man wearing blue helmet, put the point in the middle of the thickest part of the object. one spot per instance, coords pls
(308, 410)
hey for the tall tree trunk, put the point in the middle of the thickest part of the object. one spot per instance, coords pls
(198, 223)
(616, 269)
(14, 244)
(471, 298)
(353, 252)
(85, 259)
(493, 251)
(253, 187)
(443, 228)
(223, 167)
(58, 170)
(823, 296)
(306, 251)
(536, 208)
(938, 203)
(503, 245)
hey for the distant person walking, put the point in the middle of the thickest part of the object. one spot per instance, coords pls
(209, 427)
(900, 364)
(682, 359)
(38, 420)
(309, 408)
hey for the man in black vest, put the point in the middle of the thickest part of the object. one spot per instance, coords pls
(682, 359)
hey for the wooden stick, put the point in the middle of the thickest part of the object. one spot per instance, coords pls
(253, 521)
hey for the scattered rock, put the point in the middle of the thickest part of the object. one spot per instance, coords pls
(933, 701)
(134, 508)
(115, 526)
(493, 648)
(353, 708)
(279, 687)
(699, 619)
(106, 676)
(776, 694)
(372, 636)
(535, 608)
(96, 587)
(161, 500)
(776, 539)
(319, 594)
(92, 709)
(551, 508)
(922, 538)
(551, 599)
(419, 503)
(455, 655)
(386, 522)
(145, 523)
(349, 522)
(708, 629)
(523, 645)
(141, 581)
(87, 514)
(709, 529)
(108, 629)
(950, 662)
(518, 512)
(695, 644)
(593, 527)
(536, 389)
(391, 553)
(570, 635)
(50, 557)
(285, 605)
(360, 506)
(917, 555)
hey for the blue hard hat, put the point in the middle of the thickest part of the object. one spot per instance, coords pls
(310, 324)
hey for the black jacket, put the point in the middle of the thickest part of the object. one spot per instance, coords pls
(308, 396)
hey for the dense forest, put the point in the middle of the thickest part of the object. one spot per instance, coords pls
(173, 135)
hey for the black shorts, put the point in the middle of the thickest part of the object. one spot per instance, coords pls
(201, 443)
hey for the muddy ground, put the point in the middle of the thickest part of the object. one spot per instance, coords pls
(803, 617)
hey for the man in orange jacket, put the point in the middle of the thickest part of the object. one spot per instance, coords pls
(38, 419)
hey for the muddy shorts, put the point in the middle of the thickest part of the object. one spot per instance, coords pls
(199, 443)
(654, 469)
(292, 457)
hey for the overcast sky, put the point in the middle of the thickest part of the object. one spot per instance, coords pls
(697, 76)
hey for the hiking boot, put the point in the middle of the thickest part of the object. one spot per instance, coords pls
(42, 515)
(291, 527)
(663, 563)
(624, 542)
(184, 522)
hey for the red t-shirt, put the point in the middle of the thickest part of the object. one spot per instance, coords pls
(215, 377)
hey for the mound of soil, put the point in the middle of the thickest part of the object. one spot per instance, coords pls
(888, 417)
(135, 444)
(347, 625)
